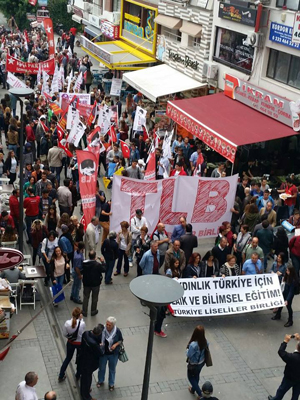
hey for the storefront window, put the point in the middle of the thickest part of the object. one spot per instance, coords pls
(289, 4)
(230, 49)
(196, 42)
(284, 68)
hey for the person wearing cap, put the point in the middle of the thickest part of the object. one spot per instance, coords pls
(207, 391)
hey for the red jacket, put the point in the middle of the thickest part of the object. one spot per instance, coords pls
(10, 221)
(294, 246)
(29, 134)
(14, 207)
(31, 204)
(182, 172)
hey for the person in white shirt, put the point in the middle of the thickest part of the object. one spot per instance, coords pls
(25, 389)
(135, 227)
(73, 327)
(91, 237)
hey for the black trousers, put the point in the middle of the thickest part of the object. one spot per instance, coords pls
(85, 382)
(161, 315)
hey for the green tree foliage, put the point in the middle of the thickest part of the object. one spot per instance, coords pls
(59, 15)
(17, 8)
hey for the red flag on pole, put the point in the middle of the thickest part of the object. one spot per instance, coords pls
(92, 114)
(45, 128)
(48, 25)
(112, 134)
(150, 169)
(125, 149)
(67, 151)
(83, 222)
(145, 133)
(60, 132)
(4, 354)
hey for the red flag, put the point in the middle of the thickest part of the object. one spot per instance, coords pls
(4, 353)
(125, 149)
(150, 169)
(112, 134)
(92, 114)
(47, 96)
(46, 129)
(88, 171)
(48, 25)
(83, 222)
(67, 151)
(60, 132)
(145, 132)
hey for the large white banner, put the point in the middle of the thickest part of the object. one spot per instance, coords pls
(139, 119)
(14, 82)
(231, 295)
(205, 202)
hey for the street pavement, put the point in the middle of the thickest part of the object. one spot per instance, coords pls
(243, 347)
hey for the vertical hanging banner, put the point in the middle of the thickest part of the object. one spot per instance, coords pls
(77, 132)
(205, 202)
(48, 25)
(139, 119)
(14, 82)
(88, 169)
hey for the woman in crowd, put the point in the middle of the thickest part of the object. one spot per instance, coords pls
(64, 220)
(58, 266)
(251, 217)
(230, 268)
(281, 243)
(111, 340)
(174, 269)
(51, 219)
(2, 170)
(123, 130)
(242, 239)
(124, 240)
(48, 246)
(129, 104)
(11, 166)
(291, 285)
(76, 229)
(193, 269)
(72, 330)
(109, 249)
(196, 359)
(38, 233)
(9, 235)
(30, 183)
(279, 266)
(209, 266)
(142, 245)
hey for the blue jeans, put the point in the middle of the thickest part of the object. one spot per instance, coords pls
(296, 263)
(291, 209)
(284, 387)
(109, 270)
(13, 147)
(60, 279)
(56, 171)
(70, 352)
(195, 378)
(76, 286)
(112, 360)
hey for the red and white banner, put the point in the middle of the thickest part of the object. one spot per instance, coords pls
(95, 145)
(150, 169)
(88, 169)
(14, 82)
(205, 202)
(15, 65)
(48, 25)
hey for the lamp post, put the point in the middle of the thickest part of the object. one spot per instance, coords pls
(19, 93)
(154, 291)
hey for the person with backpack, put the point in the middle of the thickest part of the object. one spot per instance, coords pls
(162, 240)
(72, 330)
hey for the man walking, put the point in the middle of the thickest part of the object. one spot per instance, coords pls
(252, 266)
(91, 279)
(188, 242)
(64, 196)
(175, 253)
(31, 205)
(55, 156)
(265, 237)
(91, 237)
(26, 389)
(251, 248)
(162, 240)
(291, 377)
(179, 230)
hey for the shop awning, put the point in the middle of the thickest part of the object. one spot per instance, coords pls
(168, 22)
(93, 31)
(76, 18)
(116, 54)
(224, 124)
(160, 80)
(191, 29)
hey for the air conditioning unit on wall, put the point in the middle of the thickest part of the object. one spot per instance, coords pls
(210, 70)
(254, 39)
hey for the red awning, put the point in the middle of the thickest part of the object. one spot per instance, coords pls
(224, 124)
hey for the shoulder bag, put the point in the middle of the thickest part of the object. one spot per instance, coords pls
(207, 357)
(73, 336)
(122, 354)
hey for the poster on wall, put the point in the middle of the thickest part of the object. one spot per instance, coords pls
(296, 29)
(116, 87)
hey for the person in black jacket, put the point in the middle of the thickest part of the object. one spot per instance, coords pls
(188, 242)
(92, 278)
(90, 353)
(291, 377)
(221, 251)
(109, 249)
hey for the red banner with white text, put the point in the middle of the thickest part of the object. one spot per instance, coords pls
(15, 65)
(205, 202)
(88, 170)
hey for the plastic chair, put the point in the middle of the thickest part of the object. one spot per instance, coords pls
(11, 245)
(23, 299)
(14, 293)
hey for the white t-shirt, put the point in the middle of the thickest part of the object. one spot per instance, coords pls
(25, 392)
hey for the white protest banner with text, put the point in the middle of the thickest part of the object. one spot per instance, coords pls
(139, 119)
(205, 202)
(231, 295)
(14, 82)
(116, 86)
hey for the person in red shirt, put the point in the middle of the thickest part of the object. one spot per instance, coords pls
(14, 207)
(291, 190)
(31, 205)
(30, 137)
(294, 246)
(178, 170)
(6, 219)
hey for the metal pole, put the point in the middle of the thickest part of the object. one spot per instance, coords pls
(232, 168)
(21, 234)
(145, 390)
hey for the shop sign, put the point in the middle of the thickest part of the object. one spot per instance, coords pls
(30, 17)
(95, 49)
(78, 11)
(10, 258)
(93, 20)
(296, 29)
(186, 60)
(109, 30)
(226, 148)
(242, 15)
(276, 107)
(282, 34)
(136, 26)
